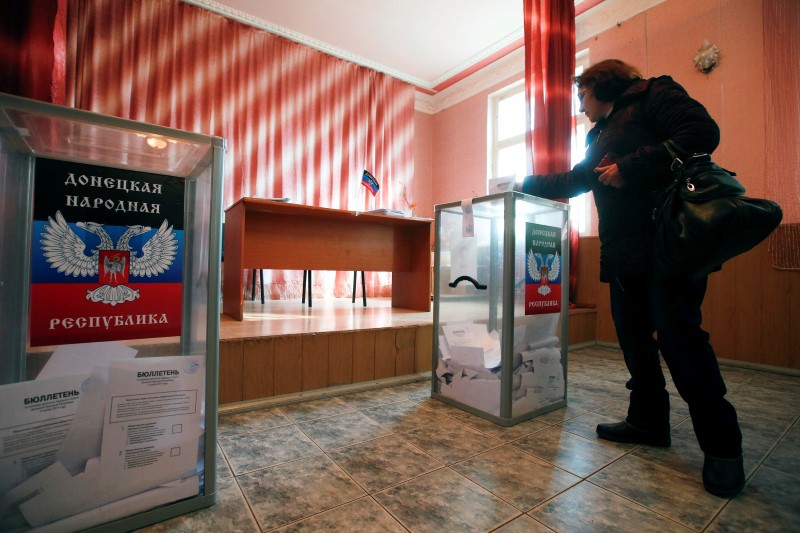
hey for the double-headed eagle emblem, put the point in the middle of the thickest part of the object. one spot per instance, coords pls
(113, 264)
(543, 268)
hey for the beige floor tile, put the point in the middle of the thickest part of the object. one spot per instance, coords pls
(445, 501)
(383, 462)
(394, 459)
(589, 508)
(518, 478)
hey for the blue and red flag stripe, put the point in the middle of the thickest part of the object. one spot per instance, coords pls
(369, 181)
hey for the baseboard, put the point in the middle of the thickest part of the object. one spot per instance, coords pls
(318, 394)
(761, 367)
(579, 345)
(732, 362)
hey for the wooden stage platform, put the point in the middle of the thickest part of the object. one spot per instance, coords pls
(283, 347)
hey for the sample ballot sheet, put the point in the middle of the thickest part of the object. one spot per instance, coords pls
(144, 416)
(34, 422)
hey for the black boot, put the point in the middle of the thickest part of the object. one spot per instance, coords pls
(624, 432)
(723, 477)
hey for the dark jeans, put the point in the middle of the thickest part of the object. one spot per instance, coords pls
(672, 311)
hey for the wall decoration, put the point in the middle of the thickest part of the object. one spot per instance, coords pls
(707, 57)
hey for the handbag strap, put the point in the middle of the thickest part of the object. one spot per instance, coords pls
(677, 166)
(672, 147)
(680, 166)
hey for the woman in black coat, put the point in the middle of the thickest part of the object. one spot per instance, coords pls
(625, 164)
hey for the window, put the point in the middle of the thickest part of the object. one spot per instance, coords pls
(507, 138)
(507, 131)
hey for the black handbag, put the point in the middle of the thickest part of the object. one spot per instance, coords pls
(703, 218)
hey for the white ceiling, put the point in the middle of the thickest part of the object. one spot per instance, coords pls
(423, 42)
(431, 44)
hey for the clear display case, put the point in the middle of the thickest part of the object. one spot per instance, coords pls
(501, 306)
(109, 319)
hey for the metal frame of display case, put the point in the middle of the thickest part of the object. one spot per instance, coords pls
(507, 270)
(31, 130)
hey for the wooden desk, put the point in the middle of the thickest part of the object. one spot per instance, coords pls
(267, 234)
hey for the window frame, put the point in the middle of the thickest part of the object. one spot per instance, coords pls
(495, 144)
(581, 205)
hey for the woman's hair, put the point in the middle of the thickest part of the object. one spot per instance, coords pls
(608, 79)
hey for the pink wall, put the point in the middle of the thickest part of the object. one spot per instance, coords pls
(460, 149)
(662, 40)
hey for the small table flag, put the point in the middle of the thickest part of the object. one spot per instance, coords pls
(369, 181)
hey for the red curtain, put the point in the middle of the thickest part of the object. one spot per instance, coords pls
(549, 27)
(298, 123)
(32, 49)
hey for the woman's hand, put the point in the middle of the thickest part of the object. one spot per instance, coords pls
(609, 175)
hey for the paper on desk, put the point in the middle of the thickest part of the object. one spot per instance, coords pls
(390, 212)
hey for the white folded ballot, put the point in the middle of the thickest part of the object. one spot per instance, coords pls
(469, 369)
(546, 381)
(471, 345)
(502, 184)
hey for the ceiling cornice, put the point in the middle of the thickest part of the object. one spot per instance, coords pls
(510, 65)
(590, 23)
(596, 16)
(245, 18)
(497, 47)
(608, 14)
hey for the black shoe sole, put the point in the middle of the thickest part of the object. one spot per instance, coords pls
(729, 493)
(729, 472)
(647, 442)
(628, 434)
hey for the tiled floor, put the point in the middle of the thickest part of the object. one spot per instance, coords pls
(396, 460)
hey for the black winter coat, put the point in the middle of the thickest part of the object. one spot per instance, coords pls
(646, 114)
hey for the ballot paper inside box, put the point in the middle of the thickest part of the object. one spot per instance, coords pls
(495, 354)
(472, 374)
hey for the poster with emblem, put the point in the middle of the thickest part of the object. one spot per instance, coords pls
(107, 254)
(543, 269)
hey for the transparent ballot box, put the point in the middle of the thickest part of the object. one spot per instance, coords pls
(501, 300)
(109, 318)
